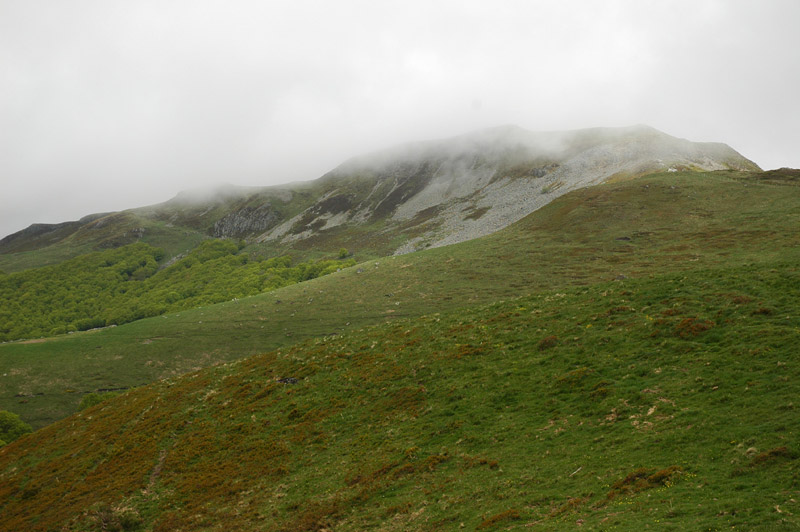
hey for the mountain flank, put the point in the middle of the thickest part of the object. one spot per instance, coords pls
(623, 355)
(674, 221)
(667, 399)
(443, 192)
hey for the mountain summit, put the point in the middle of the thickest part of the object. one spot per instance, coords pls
(451, 190)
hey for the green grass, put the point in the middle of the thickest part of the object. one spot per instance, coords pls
(23, 260)
(670, 222)
(665, 402)
(623, 359)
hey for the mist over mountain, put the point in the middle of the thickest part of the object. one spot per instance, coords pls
(106, 106)
(407, 197)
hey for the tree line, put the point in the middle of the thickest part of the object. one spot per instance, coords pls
(121, 285)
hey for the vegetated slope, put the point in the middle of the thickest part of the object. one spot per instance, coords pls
(125, 284)
(49, 244)
(663, 223)
(38, 236)
(667, 400)
(406, 198)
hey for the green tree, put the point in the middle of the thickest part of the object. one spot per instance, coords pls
(12, 427)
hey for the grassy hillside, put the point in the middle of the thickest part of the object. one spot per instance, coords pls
(645, 379)
(21, 252)
(665, 402)
(664, 223)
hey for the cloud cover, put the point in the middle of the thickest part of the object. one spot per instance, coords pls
(108, 104)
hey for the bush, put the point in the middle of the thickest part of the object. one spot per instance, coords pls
(116, 519)
(92, 399)
(548, 342)
(11, 427)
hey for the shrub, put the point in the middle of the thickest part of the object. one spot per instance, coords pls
(92, 399)
(548, 342)
(116, 519)
(690, 327)
(643, 479)
(11, 427)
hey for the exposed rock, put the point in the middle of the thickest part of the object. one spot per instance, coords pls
(246, 221)
(448, 191)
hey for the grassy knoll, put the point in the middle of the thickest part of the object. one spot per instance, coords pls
(664, 223)
(663, 402)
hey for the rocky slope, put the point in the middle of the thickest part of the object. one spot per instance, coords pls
(473, 185)
(434, 193)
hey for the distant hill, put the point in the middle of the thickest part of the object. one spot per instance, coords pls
(42, 235)
(403, 199)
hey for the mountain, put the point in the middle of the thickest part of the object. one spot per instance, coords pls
(443, 192)
(411, 197)
(624, 356)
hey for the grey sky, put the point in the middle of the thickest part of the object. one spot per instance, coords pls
(107, 104)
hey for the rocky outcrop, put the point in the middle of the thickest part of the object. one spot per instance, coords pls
(245, 221)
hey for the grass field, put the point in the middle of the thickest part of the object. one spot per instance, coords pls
(664, 223)
(665, 402)
(623, 359)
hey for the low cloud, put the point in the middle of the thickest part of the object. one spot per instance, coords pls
(107, 105)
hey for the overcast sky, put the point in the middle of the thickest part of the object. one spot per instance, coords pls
(107, 105)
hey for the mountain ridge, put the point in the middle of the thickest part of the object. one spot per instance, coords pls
(411, 196)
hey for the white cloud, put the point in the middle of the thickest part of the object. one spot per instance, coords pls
(109, 104)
